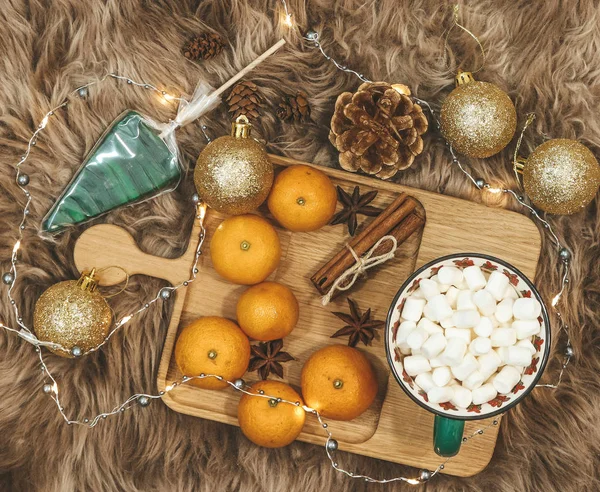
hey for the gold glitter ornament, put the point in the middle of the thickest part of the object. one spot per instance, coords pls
(233, 174)
(477, 118)
(73, 314)
(561, 176)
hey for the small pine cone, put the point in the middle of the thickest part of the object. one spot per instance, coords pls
(203, 46)
(377, 129)
(245, 99)
(294, 108)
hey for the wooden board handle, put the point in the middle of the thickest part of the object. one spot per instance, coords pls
(119, 249)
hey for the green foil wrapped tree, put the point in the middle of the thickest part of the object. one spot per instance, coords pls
(129, 163)
(134, 160)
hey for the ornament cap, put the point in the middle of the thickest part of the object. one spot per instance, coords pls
(241, 127)
(463, 78)
(87, 281)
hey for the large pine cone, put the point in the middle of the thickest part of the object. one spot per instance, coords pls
(203, 46)
(377, 129)
(245, 99)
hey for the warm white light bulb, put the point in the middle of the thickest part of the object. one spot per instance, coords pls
(555, 300)
(288, 20)
(495, 190)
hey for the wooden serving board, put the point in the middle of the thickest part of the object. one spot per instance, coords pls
(394, 428)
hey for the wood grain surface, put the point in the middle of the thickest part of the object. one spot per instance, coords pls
(394, 428)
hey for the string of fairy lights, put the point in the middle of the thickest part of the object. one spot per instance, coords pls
(142, 399)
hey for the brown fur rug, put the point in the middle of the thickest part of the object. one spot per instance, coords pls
(544, 53)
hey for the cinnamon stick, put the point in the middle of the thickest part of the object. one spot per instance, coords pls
(402, 232)
(324, 270)
(391, 218)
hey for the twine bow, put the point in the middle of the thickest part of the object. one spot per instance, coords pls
(361, 265)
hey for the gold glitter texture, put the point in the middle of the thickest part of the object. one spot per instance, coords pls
(71, 316)
(561, 176)
(233, 174)
(478, 119)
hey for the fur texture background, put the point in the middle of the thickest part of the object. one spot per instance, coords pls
(544, 53)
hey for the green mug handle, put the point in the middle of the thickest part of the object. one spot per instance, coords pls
(447, 435)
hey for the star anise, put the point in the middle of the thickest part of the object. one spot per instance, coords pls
(359, 326)
(267, 357)
(353, 205)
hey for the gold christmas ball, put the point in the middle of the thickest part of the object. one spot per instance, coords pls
(233, 174)
(477, 118)
(561, 176)
(73, 314)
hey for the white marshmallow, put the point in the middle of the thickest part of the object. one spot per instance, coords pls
(441, 376)
(403, 331)
(452, 296)
(504, 310)
(469, 318)
(480, 346)
(424, 381)
(450, 275)
(527, 308)
(440, 309)
(416, 364)
(440, 395)
(526, 328)
(429, 326)
(465, 300)
(417, 294)
(428, 312)
(405, 351)
(483, 394)
(496, 285)
(474, 278)
(462, 397)
(510, 292)
(443, 287)
(454, 352)
(463, 333)
(527, 344)
(473, 380)
(485, 327)
(416, 351)
(485, 302)
(434, 345)
(429, 288)
(506, 379)
(447, 323)
(489, 363)
(466, 367)
(502, 353)
(495, 322)
(436, 362)
(413, 309)
(503, 337)
(416, 338)
(518, 356)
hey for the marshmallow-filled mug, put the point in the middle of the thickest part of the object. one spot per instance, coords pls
(467, 338)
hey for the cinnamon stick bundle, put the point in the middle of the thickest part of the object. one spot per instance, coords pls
(400, 219)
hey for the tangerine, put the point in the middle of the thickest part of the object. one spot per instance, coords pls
(212, 345)
(302, 198)
(245, 249)
(339, 382)
(268, 422)
(267, 311)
